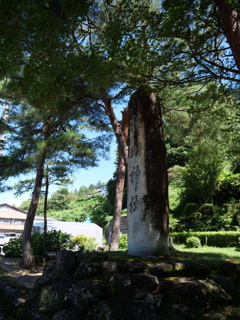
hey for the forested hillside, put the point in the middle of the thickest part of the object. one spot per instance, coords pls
(93, 203)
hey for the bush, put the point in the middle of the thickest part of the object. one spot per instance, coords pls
(123, 242)
(219, 239)
(207, 210)
(193, 242)
(55, 238)
(190, 208)
(14, 248)
(82, 243)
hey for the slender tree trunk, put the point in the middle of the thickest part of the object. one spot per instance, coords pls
(230, 18)
(121, 171)
(45, 214)
(119, 134)
(27, 251)
(148, 207)
(116, 223)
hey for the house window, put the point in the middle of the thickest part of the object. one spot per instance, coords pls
(7, 220)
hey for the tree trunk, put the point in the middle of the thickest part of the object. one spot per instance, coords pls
(27, 251)
(119, 134)
(116, 223)
(230, 18)
(121, 171)
(45, 214)
(148, 208)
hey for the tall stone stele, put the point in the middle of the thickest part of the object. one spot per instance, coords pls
(148, 208)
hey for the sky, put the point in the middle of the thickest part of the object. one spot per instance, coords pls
(82, 177)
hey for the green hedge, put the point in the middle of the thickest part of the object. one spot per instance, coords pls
(211, 238)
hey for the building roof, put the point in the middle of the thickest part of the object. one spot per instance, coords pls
(7, 211)
(11, 207)
(41, 218)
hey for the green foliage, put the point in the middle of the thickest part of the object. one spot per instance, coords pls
(228, 187)
(193, 242)
(78, 206)
(100, 211)
(55, 239)
(176, 156)
(207, 210)
(123, 242)
(201, 174)
(173, 222)
(82, 243)
(210, 238)
(190, 208)
(14, 248)
(193, 222)
(207, 217)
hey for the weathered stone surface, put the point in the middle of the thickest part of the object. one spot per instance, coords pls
(65, 315)
(134, 286)
(193, 293)
(65, 261)
(55, 296)
(87, 293)
(155, 299)
(122, 310)
(148, 208)
(178, 312)
(132, 295)
(162, 269)
(195, 269)
(87, 270)
(229, 286)
(109, 268)
(134, 267)
(229, 268)
(90, 257)
(49, 268)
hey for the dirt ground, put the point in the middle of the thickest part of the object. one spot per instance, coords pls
(11, 268)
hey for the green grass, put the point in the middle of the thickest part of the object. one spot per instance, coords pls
(210, 253)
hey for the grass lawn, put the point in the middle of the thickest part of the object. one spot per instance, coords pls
(210, 253)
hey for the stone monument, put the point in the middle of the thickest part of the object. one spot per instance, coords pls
(148, 209)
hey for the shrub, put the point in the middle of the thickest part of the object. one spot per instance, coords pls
(123, 242)
(14, 248)
(190, 208)
(54, 239)
(207, 210)
(82, 243)
(193, 242)
(219, 239)
(194, 221)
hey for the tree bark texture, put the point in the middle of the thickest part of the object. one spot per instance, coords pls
(230, 18)
(148, 208)
(28, 257)
(121, 171)
(116, 129)
(45, 213)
